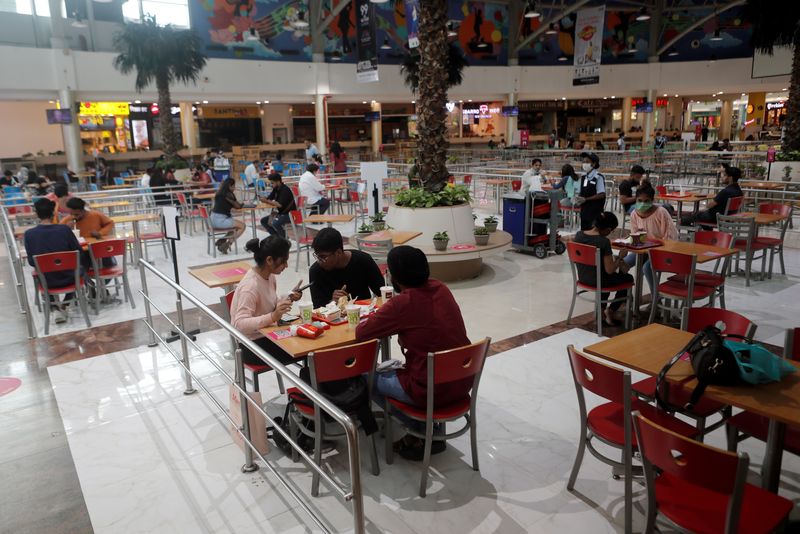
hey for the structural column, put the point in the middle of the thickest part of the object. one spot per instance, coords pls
(725, 120)
(626, 114)
(511, 121)
(648, 117)
(322, 124)
(188, 126)
(71, 133)
(377, 129)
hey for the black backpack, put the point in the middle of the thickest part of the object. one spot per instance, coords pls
(712, 361)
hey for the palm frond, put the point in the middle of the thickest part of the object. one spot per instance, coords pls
(456, 62)
(770, 31)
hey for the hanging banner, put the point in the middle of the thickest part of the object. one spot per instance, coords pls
(367, 67)
(588, 45)
(412, 22)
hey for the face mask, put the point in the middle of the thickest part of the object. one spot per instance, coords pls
(587, 167)
(643, 207)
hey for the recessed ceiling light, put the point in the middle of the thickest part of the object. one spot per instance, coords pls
(612, 96)
(676, 96)
(205, 101)
(665, 94)
(258, 102)
(363, 101)
(563, 98)
(720, 93)
(744, 94)
(197, 102)
(605, 98)
(717, 36)
(785, 89)
(413, 101)
(266, 101)
(713, 94)
(137, 101)
(460, 101)
(469, 100)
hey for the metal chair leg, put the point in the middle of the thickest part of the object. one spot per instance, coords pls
(426, 458)
(576, 465)
(473, 439)
(387, 436)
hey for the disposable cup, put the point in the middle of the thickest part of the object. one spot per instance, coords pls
(353, 315)
(387, 292)
(306, 310)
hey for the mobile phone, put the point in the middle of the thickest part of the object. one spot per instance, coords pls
(303, 288)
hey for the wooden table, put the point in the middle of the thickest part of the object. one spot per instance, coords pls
(498, 183)
(253, 210)
(204, 196)
(647, 349)
(224, 275)
(123, 186)
(135, 220)
(762, 218)
(398, 237)
(330, 219)
(694, 198)
(131, 178)
(703, 253)
(109, 205)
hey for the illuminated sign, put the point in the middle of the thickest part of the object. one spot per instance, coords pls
(776, 105)
(660, 102)
(104, 108)
(482, 112)
(229, 112)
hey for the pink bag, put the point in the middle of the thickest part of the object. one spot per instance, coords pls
(258, 425)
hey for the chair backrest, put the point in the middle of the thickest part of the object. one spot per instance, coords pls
(181, 199)
(661, 189)
(733, 205)
(342, 362)
(7, 189)
(601, 379)
(743, 228)
(582, 253)
(377, 248)
(118, 180)
(791, 349)
(693, 462)
(451, 179)
(727, 321)
(124, 174)
(717, 239)
(297, 217)
(672, 262)
(203, 211)
(55, 262)
(457, 364)
(108, 248)
(785, 210)
(467, 179)
(516, 185)
(93, 187)
(228, 298)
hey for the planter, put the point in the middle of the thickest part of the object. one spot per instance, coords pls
(776, 173)
(379, 225)
(440, 244)
(455, 220)
(482, 240)
(491, 227)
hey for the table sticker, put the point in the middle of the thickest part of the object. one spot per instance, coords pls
(229, 273)
(463, 247)
(277, 335)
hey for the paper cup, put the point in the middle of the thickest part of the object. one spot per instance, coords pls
(387, 292)
(306, 310)
(353, 315)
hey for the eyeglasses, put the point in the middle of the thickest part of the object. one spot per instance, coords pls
(322, 258)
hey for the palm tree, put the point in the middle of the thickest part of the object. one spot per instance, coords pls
(770, 31)
(423, 73)
(164, 55)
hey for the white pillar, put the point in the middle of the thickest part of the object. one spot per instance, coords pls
(648, 117)
(511, 122)
(377, 129)
(188, 126)
(71, 133)
(626, 114)
(321, 123)
(725, 120)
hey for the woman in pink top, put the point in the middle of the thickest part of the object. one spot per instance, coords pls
(653, 220)
(256, 303)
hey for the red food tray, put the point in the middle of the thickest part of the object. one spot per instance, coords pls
(650, 243)
(335, 322)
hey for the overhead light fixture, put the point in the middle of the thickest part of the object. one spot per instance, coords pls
(137, 101)
(744, 94)
(386, 45)
(785, 89)
(605, 98)
(720, 93)
(531, 12)
(643, 15)
(483, 44)
(613, 97)
(363, 101)
(717, 36)
(266, 101)
(413, 101)
(197, 102)
(713, 95)
(460, 101)
(676, 96)
(562, 57)
(451, 30)
(469, 100)
(258, 102)
(551, 30)
(301, 22)
(205, 101)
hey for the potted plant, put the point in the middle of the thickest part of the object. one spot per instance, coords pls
(378, 221)
(440, 240)
(481, 235)
(490, 223)
(787, 173)
(365, 229)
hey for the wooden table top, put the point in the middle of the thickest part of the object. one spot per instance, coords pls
(327, 218)
(647, 349)
(132, 178)
(221, 274)
(498, 181)
(123, 186)
(398, 237)
(121, 219)
(204, 196)
(687, 197)
(116, 204)
(762, 218)
(704, 253)
(299, 347)
(752, 184)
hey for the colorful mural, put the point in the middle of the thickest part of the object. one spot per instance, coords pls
(253, 29)
(702, 43)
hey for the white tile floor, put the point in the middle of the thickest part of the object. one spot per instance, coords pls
(150, 459)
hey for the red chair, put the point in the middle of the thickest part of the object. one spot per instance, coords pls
(109, 249)
(56, 262)
(443, 367)
(700, 488)
(188, 212)
(716, 277)
(581, 254)
(661, 190)
(747, 424)
(743, 230)
(683, 290)
(467, 180)
(610, 422)
(255, 370)
(327, 366)
(301, 237)
(516, 185)
(694, 320)
(775, 244)
(149, 239)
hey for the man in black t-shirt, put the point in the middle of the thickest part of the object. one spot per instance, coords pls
(338, 272)
(730, 177)
(627, 188)
(282, 200)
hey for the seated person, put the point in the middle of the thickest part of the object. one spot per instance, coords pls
(569, 182)
(627, 187)
(8, 178)
(597, 236)
(653, 220)
(426, 318)
(281, 200)
(313, 190)
(60, 196)
(338, 272)
(90, 223)
(221, 218)
(256, 303)
(39, 184)
(49, 237)
(730, 178)
(201, 178)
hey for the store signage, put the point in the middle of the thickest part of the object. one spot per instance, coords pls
(372, 116)
(543, 105)
(524, 136)
(776, 105)
(482, 112)
(589, 103)
(367, 66)
(644, 107)
(229, 112)
(104, 108)
(588, 45)
(510, 111)
(450, 106)
(412, 22)
(770, 155)
(660, 102)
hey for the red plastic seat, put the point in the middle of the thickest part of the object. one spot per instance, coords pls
(301, 238)
(775, 244)
(444, 367)
(700, 488)
(56, 262)
(683, 288)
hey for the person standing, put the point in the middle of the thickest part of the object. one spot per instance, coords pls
(282, 201)
(338, 157)
(60, 196)
(313, 190)
(251, 174)
(592, 193)
(222, 167)
(569, 183)
(621, 141)
(144, 183)
(534, 178)
(311, 151)
(660, 142)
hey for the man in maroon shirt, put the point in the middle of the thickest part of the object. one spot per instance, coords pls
(426, 318)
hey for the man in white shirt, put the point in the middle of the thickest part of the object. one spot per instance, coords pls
(621, 141)
(311, 151)
(313, 190)
(222, 167)
(533, 179)
(145, 181)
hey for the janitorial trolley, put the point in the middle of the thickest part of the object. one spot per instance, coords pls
(533, 220)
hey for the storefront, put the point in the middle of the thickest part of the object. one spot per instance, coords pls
(775, 114)
(705, 115)
(145, 125)
(105, 127)
(539, 117)
(479, 119)
(227, 125)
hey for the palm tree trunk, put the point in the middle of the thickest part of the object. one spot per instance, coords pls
(169, 137)
(791, 140)
(432, 99)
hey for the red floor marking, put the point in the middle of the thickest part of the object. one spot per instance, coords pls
(8, 384)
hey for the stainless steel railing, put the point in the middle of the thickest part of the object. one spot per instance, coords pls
(17, 273)
(353, 494)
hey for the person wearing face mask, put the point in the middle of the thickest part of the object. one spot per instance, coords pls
(592, 193)
(534, 178)
(653, 220)
(569, 183)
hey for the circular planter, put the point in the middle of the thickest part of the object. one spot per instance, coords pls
(455, 220)
(440, 244)
(491, 227)
(481, 240)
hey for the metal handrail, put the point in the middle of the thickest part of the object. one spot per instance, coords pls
(18, 273)
(355, 493)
